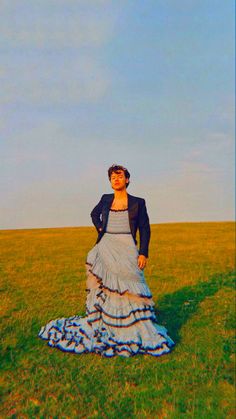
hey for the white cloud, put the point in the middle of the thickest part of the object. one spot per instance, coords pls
(50, 51)
(47, 33)
(220, 140)
(196, 193)
(55, 24)
(42, 82)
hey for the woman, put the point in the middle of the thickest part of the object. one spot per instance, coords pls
(120, 317)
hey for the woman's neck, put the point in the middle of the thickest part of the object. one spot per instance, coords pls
(120, 200)
(121, 195)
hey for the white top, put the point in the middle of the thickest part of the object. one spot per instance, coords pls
(118, 222)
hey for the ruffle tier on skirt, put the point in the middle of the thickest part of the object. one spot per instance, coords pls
(120, 317)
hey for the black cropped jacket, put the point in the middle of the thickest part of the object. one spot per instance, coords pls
(138, 219)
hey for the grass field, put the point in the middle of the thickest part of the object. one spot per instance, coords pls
(191, 275)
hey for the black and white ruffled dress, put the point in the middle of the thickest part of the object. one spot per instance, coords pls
(120, 317)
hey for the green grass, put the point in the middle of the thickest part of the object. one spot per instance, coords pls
(191, 275)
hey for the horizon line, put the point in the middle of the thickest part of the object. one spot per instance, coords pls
(151, 224)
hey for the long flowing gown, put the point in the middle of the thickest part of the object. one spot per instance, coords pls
(120, 317)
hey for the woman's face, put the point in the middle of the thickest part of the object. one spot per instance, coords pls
(118, 180)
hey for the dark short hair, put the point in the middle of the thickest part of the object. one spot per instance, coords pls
(115, 168)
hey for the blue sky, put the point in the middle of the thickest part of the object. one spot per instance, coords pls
(88, 83)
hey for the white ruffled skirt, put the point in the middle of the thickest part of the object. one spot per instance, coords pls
(120, 317)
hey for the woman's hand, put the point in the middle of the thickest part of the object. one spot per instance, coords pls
(142, 261)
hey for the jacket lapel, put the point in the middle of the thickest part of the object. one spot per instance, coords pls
(105, 209)
(133, 211)
(132, 205)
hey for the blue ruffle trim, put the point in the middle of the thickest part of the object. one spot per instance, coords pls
(112, 325)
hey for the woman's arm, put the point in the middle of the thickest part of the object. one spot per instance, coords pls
(95, 215)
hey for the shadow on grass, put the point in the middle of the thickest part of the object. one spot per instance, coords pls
(175, 309)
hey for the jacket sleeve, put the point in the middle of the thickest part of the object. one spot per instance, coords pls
(95, 214)
(144, 229)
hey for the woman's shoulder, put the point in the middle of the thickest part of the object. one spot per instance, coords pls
(137, 198)
(106, 196)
